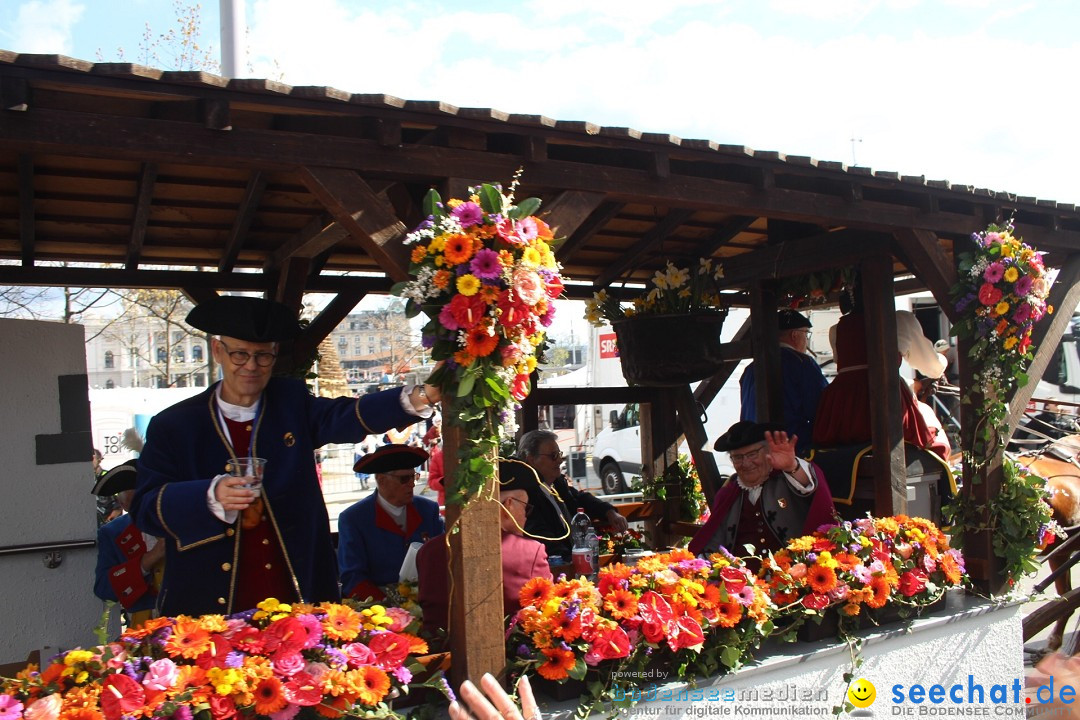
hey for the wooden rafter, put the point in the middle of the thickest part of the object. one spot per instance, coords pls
(26, 209)
(650, 240)
(144, 196)
(319, 235)
(725, 234)
(291, 281)
(923, 255)
(569, 210)
(822, 252)
(325, 322)
(242, 223)
(588, 227)
(198, 295)
(14, 94)
(366, 215)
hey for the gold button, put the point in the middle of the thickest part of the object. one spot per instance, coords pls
(226, 566)
(265, 541)
(221, 601)
(269, 566)
(230, 532)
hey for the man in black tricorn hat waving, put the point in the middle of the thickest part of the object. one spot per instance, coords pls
(229, 544)
(773, 497)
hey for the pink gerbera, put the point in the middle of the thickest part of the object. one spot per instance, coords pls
(485, 265)
(468, 214)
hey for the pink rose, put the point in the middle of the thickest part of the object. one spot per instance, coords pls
(528, 286)
(46, 708)
(358, 654)
(161, 675)
(288, 663)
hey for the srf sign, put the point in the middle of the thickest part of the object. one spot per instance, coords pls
(609, 346)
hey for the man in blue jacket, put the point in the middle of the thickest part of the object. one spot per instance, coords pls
(374, 534)
(229, 545)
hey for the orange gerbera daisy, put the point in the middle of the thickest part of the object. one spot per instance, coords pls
(480, 341)
(951, 568)
(820, 578)
(622, 604)
(851, 609)
(418, 253)
(342, 622)
(559, 664)
(332, 708)
(536, 592)
(566, 628)
(374, 684)
(458, 249)
(729, 613)
(711, 597)
(188, 639)
(147, 628)
(81, 713)
(880, 586)
(463, 358)
(268, 696)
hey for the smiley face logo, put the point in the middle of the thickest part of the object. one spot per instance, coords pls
(862, 693)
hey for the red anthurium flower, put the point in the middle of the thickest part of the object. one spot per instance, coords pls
(120, 695)
(249, 640)
(611, 644)
(734, 579)
(656, 616)
(303, 689)
(912, 582)
(816, 601)
(286, 635)
(467, 310)
(218, 649)
(390, 649)
(521, 387)
(686, 633)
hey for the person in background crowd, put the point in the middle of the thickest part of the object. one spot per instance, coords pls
(773, 496)
(374, 534)
(802, 378)
(108, 507)
(522, 558)
(554, 500)
(229, 546)
(129, 562)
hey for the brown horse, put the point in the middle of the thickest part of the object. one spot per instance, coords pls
(1059, 463)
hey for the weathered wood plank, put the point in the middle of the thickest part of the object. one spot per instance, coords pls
(143, 198)
(925, 258)
(653, 237)
(249, 204)
(569, 210)
(26, 209)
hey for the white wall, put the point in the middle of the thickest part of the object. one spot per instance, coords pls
(43, 503)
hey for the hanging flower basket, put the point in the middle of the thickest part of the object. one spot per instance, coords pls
(665, 350)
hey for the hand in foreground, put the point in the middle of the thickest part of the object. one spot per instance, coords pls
(617, 521)
(781, 451)
(233, 494)
(501, 707)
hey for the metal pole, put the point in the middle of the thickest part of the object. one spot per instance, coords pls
(233, 27)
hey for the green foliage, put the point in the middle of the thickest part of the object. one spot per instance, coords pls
(682, 478)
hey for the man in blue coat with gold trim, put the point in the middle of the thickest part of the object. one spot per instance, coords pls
(230, 543)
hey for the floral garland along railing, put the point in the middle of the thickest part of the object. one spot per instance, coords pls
(486, 276)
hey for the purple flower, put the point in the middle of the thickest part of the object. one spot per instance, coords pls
(994, 271)
(234, 659)
(1023, 286)
(468, 214)
(549, 315)
(447, 690)
(10, 707)
(1022, 313)
(523, 650)
(485, 264)
(446, 319)
(402, 674)
(183, 712)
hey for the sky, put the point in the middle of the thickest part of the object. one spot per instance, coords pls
(976, 92)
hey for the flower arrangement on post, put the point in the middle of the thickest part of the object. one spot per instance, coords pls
(1000, 296)
(1019, 519)
(863, 563)
(814, 288)
(486, 275)
(279, 661)
(681, 477)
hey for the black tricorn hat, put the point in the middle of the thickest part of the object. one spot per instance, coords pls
(245, 318)
(389, 458)
(743, 433)
(517, 475)
(117, 480)
(788, 319)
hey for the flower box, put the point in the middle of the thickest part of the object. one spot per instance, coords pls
(829, 628)
(670, 349)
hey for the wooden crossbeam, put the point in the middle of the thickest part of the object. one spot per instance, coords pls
(198, 295)
(318, 236)
(14, 94)
(331, 316)
(141, 216)
(249, 204)
(368, 217)
(569, 210)
(725, 234)
(588, 227)
(689, 414)
(26, 209)
(924, 257)
(798, 257)
(292, 278)
(650, 240)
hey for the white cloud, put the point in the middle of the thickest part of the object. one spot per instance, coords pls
(45, 26)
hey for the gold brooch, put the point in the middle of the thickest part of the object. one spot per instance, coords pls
(290, 439)
(782, 502)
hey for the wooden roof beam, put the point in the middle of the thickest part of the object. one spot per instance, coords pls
(14, 94)
(568, 211)
(726, 233)
(364, 214)
(291, 280)
(180, 279)
(320, 234)
(331, 316)
(924, 257)
(253, 192)
(650, 240)
(199, 295)
(1064, 296)
(597, 219)
(798, 257)
(141, 216)
(26, 209)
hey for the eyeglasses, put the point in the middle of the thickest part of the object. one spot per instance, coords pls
(738, 458)
(527, 505)
(241, 357)
(556, 456)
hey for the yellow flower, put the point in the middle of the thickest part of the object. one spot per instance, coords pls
(437, 244)
(78, 656)
(1011, 274)
(468, 284)
(1010, 342)
(826, 559)
(530, 257)
(530, 364)
(454, 202)
(1001, 308)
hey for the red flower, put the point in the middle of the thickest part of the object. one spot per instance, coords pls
(553, 286)
(815, 601)
(686, 633)
(467, 311)
(286, 636)
(611, 643)
(223, 707)
(216, 653)
(521, 387)
(912, 582)
(989, 295)
(656, 616)
(303, 689)
(734, 579)
(822, 544)
(390, 649)
(249, 640)
(120, 695)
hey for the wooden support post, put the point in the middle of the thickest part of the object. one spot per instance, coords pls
(767, 380)
(476, 611)
(886, 423)
(658, 451)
